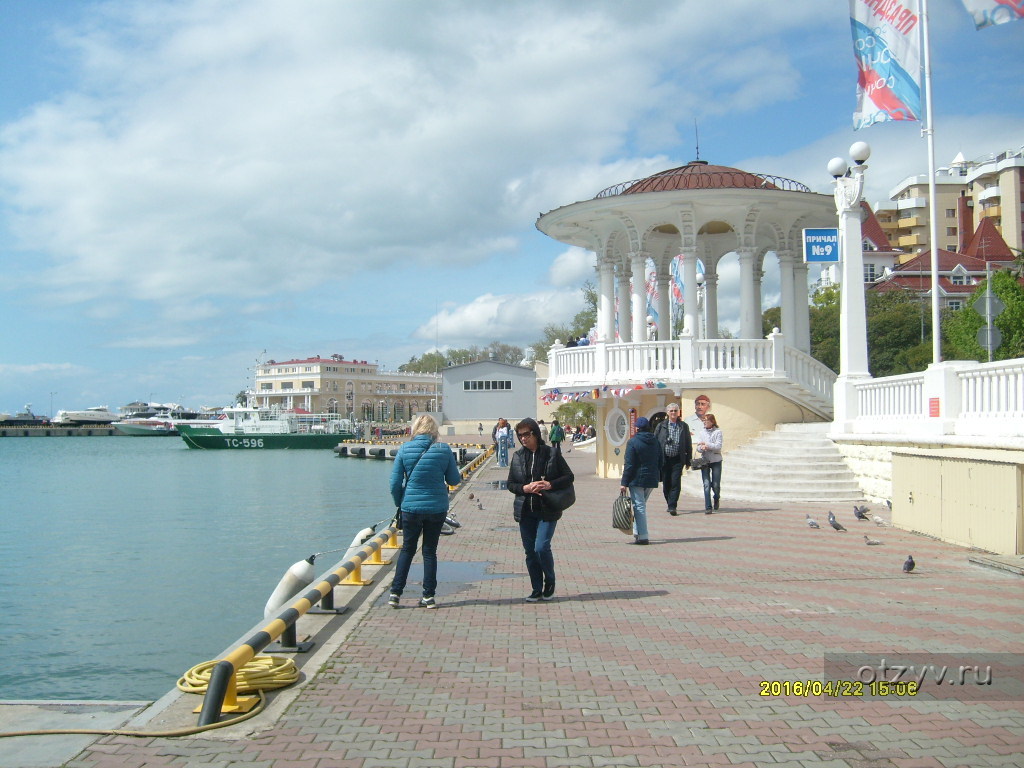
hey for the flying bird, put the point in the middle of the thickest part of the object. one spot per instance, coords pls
(909, 564)
(871, 542)
(834, 523)
(811, 522)
(878, 521)
(861, 513)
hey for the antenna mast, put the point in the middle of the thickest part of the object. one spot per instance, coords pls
(696, 136)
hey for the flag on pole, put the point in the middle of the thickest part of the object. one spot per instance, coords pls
(988, 13)
(887, 47)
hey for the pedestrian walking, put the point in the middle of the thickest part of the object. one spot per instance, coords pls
(537, 467)
(641, 474)
(709, 443)
(422, 472)
(677, 449)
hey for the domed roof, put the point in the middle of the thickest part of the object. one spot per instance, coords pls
(699, 174)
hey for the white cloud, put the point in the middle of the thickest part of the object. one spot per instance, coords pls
(572, 267)
(514, 319)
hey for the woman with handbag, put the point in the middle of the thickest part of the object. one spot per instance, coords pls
(709, 442)
(542, 483)
(641, 475)
(423, 470)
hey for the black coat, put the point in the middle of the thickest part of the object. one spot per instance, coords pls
(527, 467)
(686, 444)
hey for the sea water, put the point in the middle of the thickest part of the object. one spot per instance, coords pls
(124, 561)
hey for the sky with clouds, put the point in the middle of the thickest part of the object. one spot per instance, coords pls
(187, 186)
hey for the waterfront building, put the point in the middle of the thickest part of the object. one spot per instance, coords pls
(484, 391)
(354, 388)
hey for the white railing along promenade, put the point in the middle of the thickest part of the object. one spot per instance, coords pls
(963, 398)
(689, 360)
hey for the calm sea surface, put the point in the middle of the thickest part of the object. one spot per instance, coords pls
(125, 561)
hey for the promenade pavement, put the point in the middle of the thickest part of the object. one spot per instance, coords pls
(647, 656)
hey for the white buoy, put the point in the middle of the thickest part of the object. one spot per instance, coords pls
(357, 542)
(295, 579)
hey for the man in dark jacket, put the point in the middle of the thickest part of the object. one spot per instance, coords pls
(674, 438)
(644, 459)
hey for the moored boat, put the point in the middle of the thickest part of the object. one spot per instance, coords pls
(98, 414)
(157, 419)
(247, 428)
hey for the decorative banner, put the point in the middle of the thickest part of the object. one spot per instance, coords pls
(887, 47)
(988, 13)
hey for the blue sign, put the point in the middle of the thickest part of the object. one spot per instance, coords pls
(821, 246)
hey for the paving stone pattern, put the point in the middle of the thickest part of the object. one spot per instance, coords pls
(648, 656)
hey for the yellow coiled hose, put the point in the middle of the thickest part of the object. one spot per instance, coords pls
(263, 673)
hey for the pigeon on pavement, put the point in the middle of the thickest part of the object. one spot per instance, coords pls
(871, 542)
(834, 523)
(878, 521)
(909, 564)
(861, 513)
(811, 522)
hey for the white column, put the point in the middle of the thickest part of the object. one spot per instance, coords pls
(691, 320)
(801, 336)
(606, 300)
(664, 306)
(749, 328)
(639, 266)
(624, 314)
(711, 304)
(787, 289)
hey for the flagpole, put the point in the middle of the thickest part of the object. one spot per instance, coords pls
(933, 219)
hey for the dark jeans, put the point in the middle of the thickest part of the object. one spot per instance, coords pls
(671, 479)
(540, 562)
(414, 524)
(712, 475)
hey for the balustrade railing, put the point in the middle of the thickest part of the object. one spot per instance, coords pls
(688, 359)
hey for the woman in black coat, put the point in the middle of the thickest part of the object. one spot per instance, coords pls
(536, 468)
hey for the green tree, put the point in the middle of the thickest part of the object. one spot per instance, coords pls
(898, 330)
(963, 325)
(576, 413)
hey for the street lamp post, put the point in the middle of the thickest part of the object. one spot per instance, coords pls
(702, 321)
(853, 335)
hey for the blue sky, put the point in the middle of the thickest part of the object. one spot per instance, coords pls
(186, 184)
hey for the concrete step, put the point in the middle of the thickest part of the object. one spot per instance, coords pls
(796, 462)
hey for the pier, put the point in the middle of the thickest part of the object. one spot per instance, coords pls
(694, 650)
(96, 431)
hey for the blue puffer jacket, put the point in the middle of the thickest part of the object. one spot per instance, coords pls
(643, 461)
(427, 489)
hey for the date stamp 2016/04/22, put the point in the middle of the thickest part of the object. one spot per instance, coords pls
(837, 688)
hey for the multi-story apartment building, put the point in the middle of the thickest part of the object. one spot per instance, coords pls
(912, 198)
(996, 189)
(354, 388)
(967, 191)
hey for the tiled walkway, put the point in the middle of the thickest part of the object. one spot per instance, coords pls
(648, 656)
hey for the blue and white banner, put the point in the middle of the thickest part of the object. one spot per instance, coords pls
(887, 47)
(988, 13)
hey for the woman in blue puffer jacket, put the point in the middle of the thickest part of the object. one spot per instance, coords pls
(423, 470)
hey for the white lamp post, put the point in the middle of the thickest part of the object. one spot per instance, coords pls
(702, 325)
(853, 335)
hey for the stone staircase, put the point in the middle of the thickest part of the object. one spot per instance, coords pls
(795, 462)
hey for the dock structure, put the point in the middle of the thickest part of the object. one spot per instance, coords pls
(707, 647)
